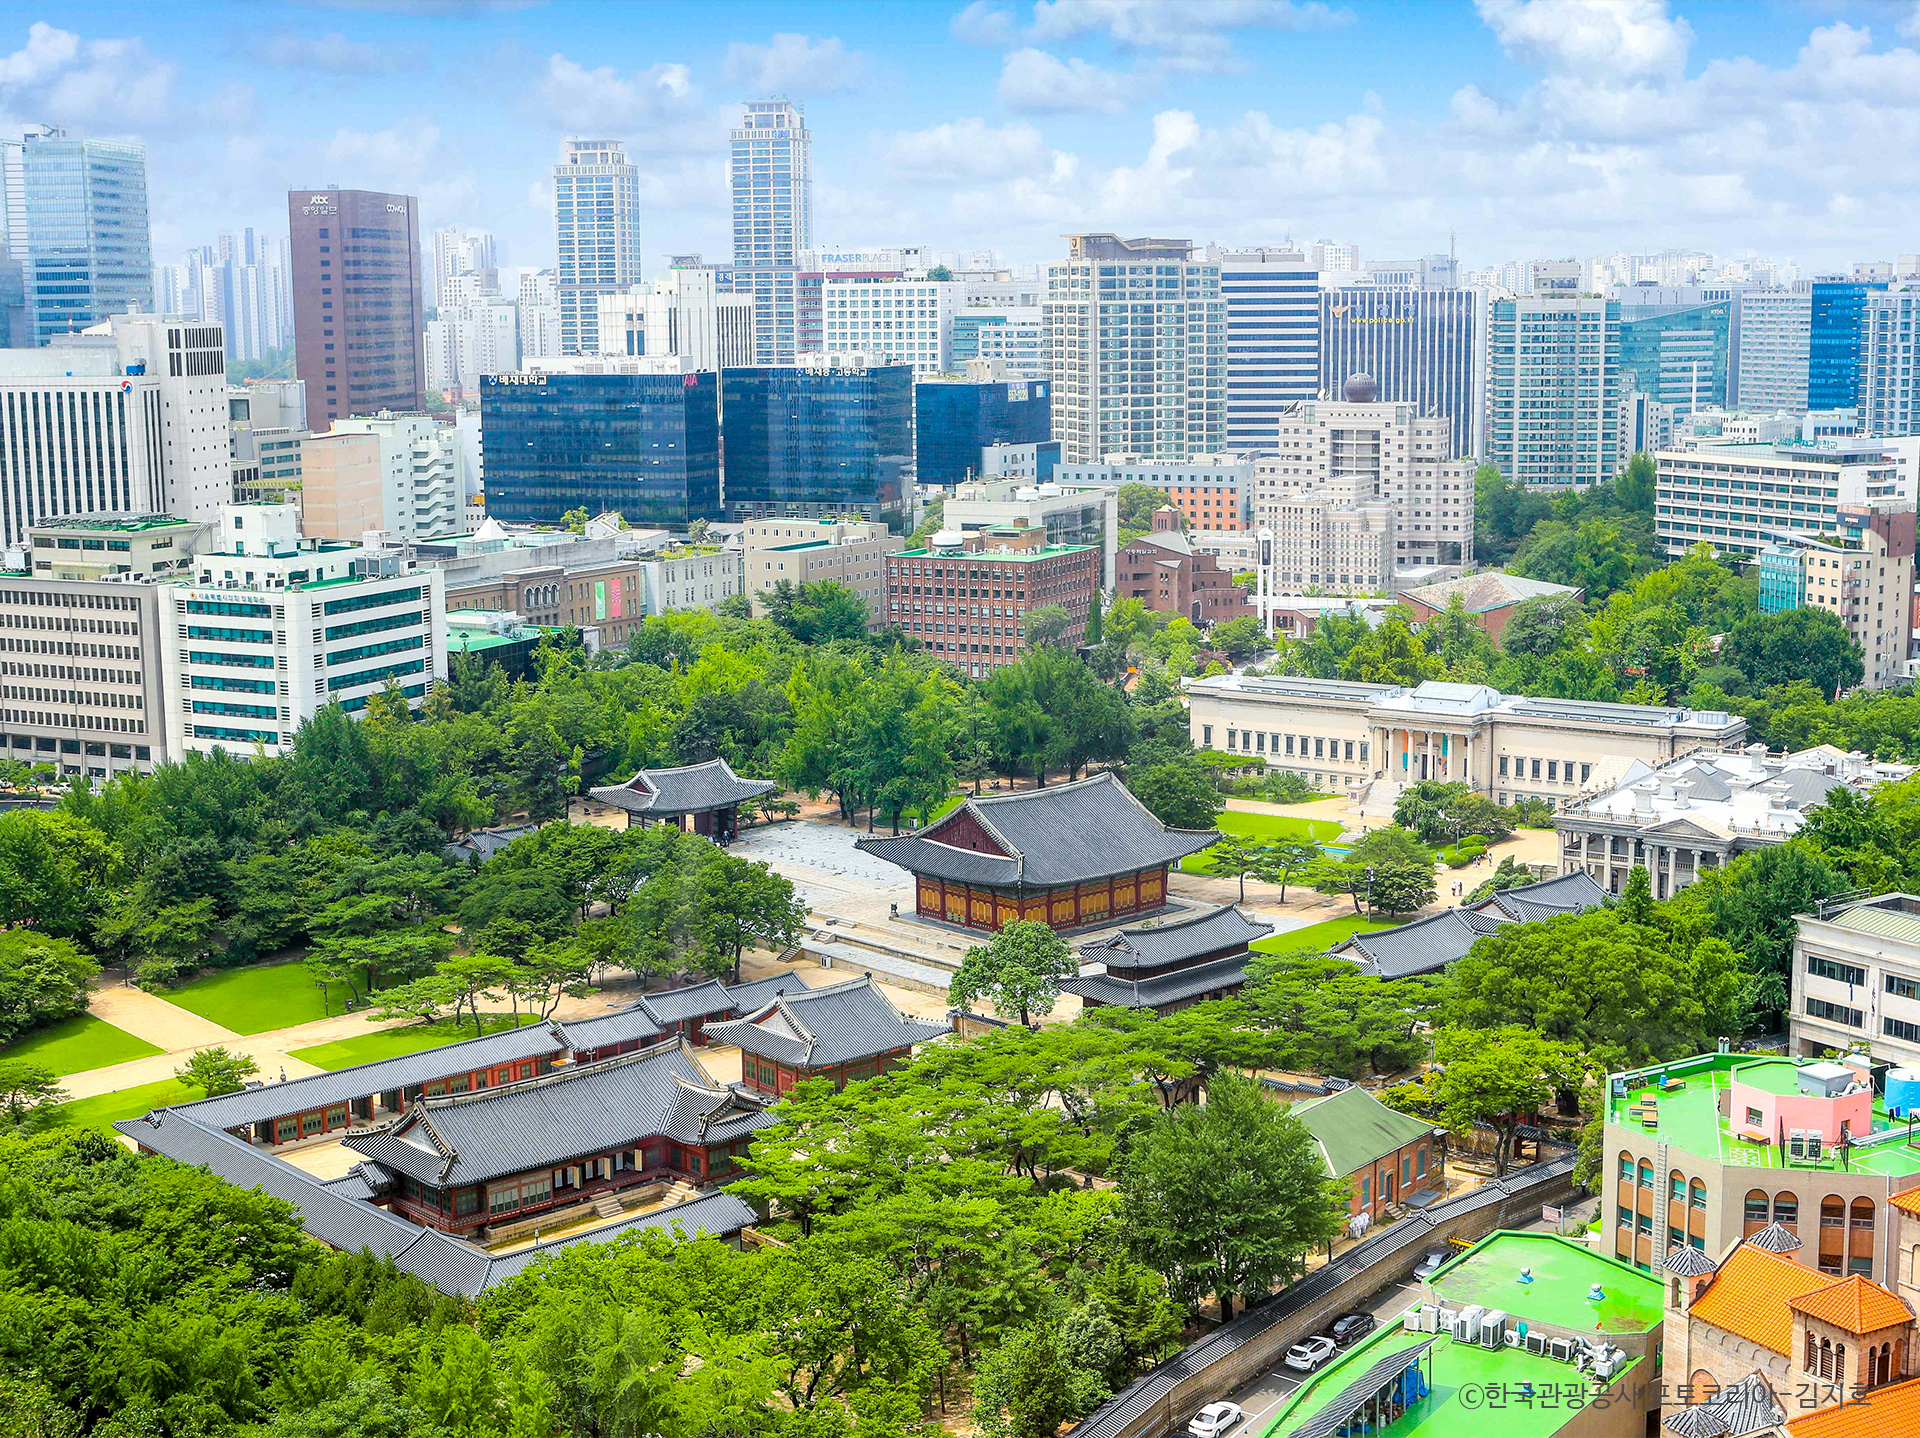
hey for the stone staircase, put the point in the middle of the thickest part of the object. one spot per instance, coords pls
(1377, 798)
(609, 1207)
(917, 957)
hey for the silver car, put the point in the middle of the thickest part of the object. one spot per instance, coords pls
(1309, 1353)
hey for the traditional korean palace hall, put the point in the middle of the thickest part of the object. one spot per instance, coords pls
(480, 1142)
(1168, 965)
(1071, 856)
(703, 797)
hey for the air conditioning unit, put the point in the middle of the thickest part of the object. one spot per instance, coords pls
(1414, 1319)
(1467, 1326)
(1537, 1343)
(1560, 1349)
(1493, 1330)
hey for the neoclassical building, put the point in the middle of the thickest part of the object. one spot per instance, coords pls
(1344, 734)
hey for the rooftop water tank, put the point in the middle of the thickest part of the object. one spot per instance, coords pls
(1903, 1092)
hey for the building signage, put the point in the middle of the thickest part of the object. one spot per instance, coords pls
(530, 377)
(320, 205)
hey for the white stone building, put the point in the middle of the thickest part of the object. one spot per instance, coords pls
(852, 552)
(1070, 514)
(1856, 979)
(421, 493)
(908, 321)
(1737, 497)
(682, 314)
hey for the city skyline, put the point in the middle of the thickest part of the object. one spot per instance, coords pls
(1519, 128)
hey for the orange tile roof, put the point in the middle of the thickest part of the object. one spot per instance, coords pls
(1749, 1296)
(1856, 1303)
(1882, 1413)
(1908, 1202)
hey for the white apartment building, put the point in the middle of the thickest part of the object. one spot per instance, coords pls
(1856, 979)
(1737, 497)
(1361, 460)
(1014, 335)
(480, 335)
(683, 314)
(1768, 363)
(143, 409)
(1345, 735)
(421, 493)
(1071, 514)
(1889, 390)
(267, 629)
(1553, 390)
(908, 321)
(1136, 343)
(596, 222)
(1683, 819)
(770, 175)
(852, 552)
(539, 311)
(459, 251)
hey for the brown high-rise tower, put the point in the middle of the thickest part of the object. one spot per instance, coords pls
(357, 314)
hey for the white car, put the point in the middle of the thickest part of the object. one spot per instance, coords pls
(1431, 1262)
(1309, 1353)
(1215, 1419)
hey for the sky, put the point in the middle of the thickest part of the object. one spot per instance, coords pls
(1519, 128)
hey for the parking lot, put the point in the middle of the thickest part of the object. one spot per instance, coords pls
(1263, 1397)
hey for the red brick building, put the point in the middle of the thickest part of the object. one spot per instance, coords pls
(1071, 856)
(1383, 1155)
(1164, 571)
(967, 596)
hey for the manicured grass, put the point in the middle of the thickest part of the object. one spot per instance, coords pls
(79, 1043)
(1261, 829)
(392, 1043)
(254, 1000)
(1319, 936)
(101, 1110)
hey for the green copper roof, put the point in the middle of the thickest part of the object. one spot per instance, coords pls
(1354, 1129)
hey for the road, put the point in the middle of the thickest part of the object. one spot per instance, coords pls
(1263, 1397)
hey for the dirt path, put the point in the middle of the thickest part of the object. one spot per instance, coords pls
(151, 1018)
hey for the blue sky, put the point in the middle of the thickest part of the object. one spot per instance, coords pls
(1526, 127)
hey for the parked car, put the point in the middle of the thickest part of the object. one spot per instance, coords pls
(1349, 1328)
(1430, 1261)
(1215, 1419)
(1309, 1353)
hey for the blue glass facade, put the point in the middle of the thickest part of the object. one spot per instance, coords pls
(953, 422)
(1777, 568)
(645, 445)
(1833, 342)
(812, 443)
(89, 253)
(1677, 352)
(770, 167)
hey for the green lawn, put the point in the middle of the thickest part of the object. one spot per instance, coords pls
(254, 1000)
(392, 1043)
(81, 1042)
(1261, 829)
(101, 1110)
(1319, 936)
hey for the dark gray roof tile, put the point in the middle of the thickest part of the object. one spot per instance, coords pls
(1164, 989)
(1145, 946)
(818, 1028)
(689, 789)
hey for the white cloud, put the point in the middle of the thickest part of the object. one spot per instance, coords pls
(1192, 32)
(1629, 37)
(47, 49)
(1035, 82)
(331, 54)
(983, 23)
(968, 149)
(100, 86)
(794, 64)
(582, 99)
(1910, 22)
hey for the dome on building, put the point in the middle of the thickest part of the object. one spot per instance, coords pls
(1361, 389)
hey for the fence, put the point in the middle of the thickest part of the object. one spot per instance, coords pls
(1238, 1351)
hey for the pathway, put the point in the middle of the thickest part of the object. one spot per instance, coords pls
(151, 1018)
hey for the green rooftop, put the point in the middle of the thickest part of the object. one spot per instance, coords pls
(1563, 1274)
(1690, 1117)
(1052, 551)
(1477, 1392)
(1354, 1129)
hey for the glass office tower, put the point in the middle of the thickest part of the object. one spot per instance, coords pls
(1423, 347)
(77, 225)
(647, 446)
(1833, 341)
(771, 167)
(955, 419)
(811, 443)
(1677, 353)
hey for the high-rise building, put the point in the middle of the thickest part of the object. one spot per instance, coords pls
(1359, 491)
(771, 169)
(358, 317)
(1739, 498)
(1862, 572)
(1770, 360)
(1553, 381)
(240, 283)
(818, 440)
(1424, 347)
(76, 224)
(1272, 301)
(684, 314)
(1837, 312)
(896, 321)
(478, 335)
(645, 445)
(810, 305)
(1889, 394)
(957, 416)
(1136, 343)
(460, 251)
(539, 314)
(596, 226)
